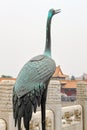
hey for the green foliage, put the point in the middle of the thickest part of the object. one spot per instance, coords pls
(72, 77)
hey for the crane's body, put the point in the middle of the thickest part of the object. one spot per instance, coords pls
(36, 72)
(30, 89)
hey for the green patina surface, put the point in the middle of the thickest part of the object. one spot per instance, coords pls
(34, 74)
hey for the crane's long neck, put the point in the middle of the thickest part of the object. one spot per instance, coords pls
(48, 38)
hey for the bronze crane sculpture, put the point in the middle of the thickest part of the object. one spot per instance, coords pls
(30, 89)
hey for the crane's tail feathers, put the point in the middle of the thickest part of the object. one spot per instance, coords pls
(24, 106)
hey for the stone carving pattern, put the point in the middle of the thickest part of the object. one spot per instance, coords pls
(54, 95)
(35, 123)
(71, 115)
(82, 93)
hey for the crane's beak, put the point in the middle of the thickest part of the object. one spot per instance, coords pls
(57, 11)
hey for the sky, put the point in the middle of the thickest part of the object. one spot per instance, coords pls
(23, 34)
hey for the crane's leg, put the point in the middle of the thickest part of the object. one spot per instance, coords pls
(27, 124)
(19, 124)
(28, 128)
(43, 109)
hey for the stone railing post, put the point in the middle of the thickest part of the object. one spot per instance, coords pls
(6, 87)
(54, 102)
(82, 100)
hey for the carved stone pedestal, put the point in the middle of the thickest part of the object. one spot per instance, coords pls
(54, 102)
(82, 100)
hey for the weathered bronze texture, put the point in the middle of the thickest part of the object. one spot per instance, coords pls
(30, 89)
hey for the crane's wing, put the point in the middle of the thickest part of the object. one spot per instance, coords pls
(34, 75)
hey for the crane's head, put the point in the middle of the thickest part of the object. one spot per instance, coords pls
(53, 12)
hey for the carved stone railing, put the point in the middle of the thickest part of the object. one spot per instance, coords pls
(82, 100)
(35, 123)
(6, 87)
(53, 105)
(54, 102)
(72, 118)
(2, 124)
(57, 117)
